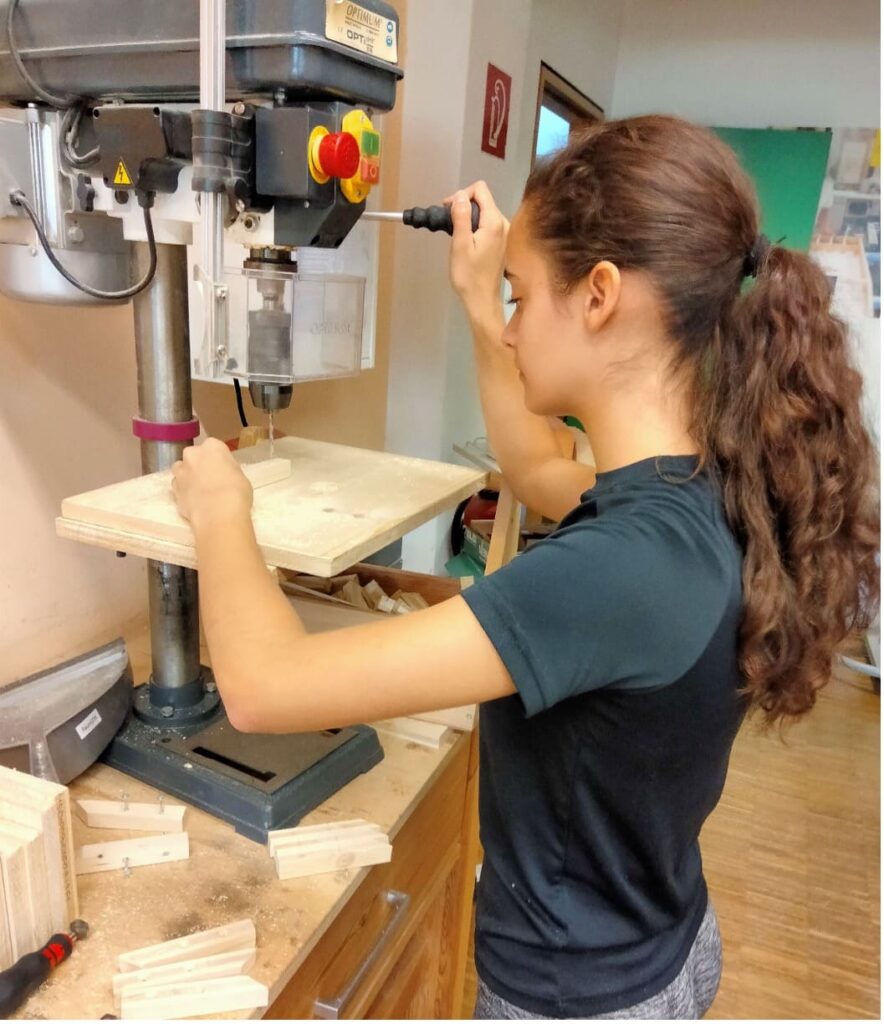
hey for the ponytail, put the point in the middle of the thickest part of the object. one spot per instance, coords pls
(782, 425)
(776, 399)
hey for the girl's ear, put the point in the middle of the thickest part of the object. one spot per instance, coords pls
(602, 293)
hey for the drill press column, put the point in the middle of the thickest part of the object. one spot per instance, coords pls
(162, 353)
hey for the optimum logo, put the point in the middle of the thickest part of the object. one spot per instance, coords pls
(336, 328)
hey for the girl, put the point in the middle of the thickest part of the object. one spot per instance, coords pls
(725, 547)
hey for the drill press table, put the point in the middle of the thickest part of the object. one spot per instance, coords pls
(339, 506)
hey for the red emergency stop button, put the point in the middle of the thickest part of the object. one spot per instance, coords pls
(338, 155)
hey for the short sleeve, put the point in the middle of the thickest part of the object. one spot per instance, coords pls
(628, 603)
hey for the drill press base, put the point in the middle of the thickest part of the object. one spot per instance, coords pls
(255, 782)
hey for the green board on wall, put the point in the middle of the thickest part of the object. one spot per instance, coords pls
(788, 168)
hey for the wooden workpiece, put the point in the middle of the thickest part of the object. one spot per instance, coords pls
(338, 505)
(158, 817)
(320, 849)
(126, 854)
(202, 968)
(196, 998)
(38, 893)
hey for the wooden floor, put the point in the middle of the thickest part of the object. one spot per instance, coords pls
(791, 855)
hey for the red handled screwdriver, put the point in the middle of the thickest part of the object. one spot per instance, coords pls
(433, 218)
(20, 980)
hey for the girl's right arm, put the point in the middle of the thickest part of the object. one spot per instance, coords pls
(523, 443)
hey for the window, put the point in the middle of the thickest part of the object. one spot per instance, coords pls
(560, 110)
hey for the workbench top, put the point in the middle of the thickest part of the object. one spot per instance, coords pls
(226, 878)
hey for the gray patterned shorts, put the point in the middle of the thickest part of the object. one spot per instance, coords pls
(688, 997)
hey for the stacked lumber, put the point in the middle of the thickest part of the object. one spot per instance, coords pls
(195, 975)
(319, 849)
(170, 844)
(38, 889)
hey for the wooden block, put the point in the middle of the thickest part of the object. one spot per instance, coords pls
(250, 436)
(221, 965)
(352, 840)
(324, 586)
(374, 593)
(237, 935)
(139, 816)
(17, 887)
(268, 471)
(47, 806)
(197, 998)
(352, 593)
(31, 841)
(303, 834)
(414, 602)
(463, 718)
(132, 853)
(427, 734)
(318, 862)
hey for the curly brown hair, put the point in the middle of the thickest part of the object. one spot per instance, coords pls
(775, 398)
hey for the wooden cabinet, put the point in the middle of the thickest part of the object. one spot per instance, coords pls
(397, 947)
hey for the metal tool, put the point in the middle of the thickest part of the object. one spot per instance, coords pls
(31, 970)
(270, 152)
(433, 218)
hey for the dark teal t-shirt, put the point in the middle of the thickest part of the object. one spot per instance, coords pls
(620, 632)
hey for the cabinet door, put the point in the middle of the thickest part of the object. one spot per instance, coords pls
(418, 986)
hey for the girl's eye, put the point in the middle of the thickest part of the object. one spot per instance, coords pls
(513, 301)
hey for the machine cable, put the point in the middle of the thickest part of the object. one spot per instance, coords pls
(239, 406)
(145, 199)
(73, 106)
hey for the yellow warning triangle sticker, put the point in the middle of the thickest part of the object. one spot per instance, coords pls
(122, 177)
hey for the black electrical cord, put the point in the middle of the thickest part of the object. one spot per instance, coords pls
(73, 106)
(242, 412)
(18, 198)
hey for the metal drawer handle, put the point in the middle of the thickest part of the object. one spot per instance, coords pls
(334, 1009)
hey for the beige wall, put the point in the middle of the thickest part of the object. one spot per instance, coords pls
(68, 378)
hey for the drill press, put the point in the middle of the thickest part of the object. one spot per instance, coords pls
(109, 174)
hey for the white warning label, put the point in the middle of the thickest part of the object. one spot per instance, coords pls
(361, 29)
(90, 722)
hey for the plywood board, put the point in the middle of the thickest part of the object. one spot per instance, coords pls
(30, 841)
(7, 959)
(19, 905)
(339, 505)
(46, 806)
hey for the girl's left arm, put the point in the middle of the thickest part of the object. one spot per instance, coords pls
(272, 675)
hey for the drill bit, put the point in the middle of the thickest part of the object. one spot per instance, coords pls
(270, 430)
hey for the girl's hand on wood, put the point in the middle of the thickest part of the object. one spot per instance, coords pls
(209, 485)
(477, 257)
